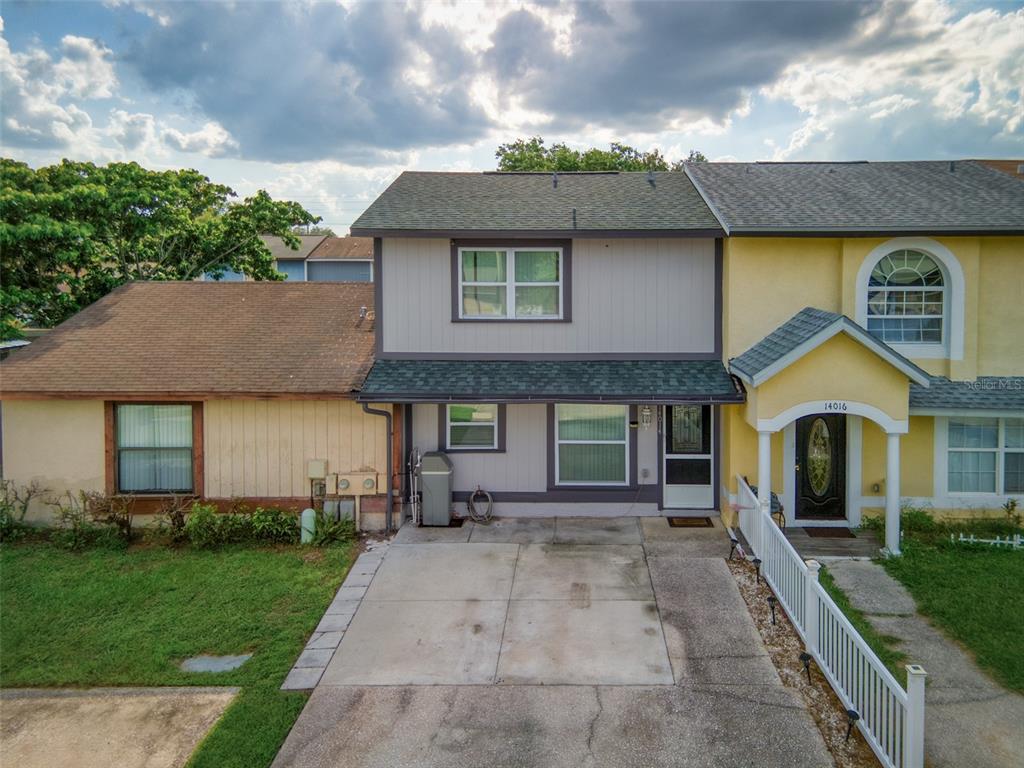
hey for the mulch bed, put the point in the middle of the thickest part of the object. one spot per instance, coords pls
(784, 646)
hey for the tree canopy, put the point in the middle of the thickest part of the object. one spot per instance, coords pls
(532, 155)
(70, 233)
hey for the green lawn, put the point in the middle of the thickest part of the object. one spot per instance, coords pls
(104, 617)
(884, 646)
(975, 594)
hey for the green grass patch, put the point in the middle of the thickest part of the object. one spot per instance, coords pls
(884, 646)
(974, 594)
(128, 618)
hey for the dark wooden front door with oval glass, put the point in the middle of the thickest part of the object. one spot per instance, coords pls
(821, 466)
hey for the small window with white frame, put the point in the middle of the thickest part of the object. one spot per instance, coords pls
(511, 283)
(472, 427)
(985, 455)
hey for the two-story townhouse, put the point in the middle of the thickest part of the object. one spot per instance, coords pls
(873, 312)
(843, 334)
(559, 336)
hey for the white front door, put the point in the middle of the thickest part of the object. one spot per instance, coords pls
(689, 440)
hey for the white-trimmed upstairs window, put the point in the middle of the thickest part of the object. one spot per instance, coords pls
(591, 444)
(907, 299)
(472, 427)
(986, 455)
(511, 283)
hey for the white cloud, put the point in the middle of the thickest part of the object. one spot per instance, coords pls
(85, 70)
(133, 132)
(919, 62)
(210, 140)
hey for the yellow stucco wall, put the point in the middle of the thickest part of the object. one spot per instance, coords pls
(768, 280)
(917, 458)
(1001, 313)
(840, 369)
(260, 447)
(58, 443)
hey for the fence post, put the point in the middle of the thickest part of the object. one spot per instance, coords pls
(913, 736)
(811, 607)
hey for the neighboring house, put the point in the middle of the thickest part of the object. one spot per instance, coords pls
(134, 395)
(565, 338)
(873, 313)
(318, 259)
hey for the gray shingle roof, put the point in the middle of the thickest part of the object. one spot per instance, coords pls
(802, 327)
(507, 202)
(280, 250)
(548, 380)
(1002, 393)
(862, 197)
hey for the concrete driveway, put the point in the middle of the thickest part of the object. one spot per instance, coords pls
(588, 642)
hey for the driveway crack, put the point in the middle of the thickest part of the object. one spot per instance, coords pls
(592, 731)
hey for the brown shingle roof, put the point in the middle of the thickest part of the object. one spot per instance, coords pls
(203, 338)
(356, 248)
(280, 250)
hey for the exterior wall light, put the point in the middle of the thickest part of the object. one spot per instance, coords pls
(646, 417)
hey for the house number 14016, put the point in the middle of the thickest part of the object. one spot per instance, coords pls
(835, 405)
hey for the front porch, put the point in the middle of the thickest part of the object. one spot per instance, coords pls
(813, 387)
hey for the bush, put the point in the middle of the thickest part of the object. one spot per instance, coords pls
(170, 520)
(275, 525)
(202, 526)
(920, 525)
(331, 531)
(77, 529)
(14, 504)
(205, 527)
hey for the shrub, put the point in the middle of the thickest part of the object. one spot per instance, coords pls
(275, 525)
(170, 520)
(14, 503)
(111, 511)
(331, 531)
(201, 526)
(76, 527)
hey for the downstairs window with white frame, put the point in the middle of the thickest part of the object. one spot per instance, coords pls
(591, 445)
(985, 455)
(472, 427)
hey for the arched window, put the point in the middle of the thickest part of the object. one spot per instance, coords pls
(906, 298)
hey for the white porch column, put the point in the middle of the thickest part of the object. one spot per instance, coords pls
(892, 493)
(764, 487)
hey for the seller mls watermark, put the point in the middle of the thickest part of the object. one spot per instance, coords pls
(1015, 384)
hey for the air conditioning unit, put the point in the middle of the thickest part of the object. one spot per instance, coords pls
(358, 484)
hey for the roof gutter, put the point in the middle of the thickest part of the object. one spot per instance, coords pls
(536, 233)
(738, 397)
(390, 458)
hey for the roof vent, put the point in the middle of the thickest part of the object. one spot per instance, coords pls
(650, 177)
(1020, 169)
(952, 167)
(554, 180)
(574, 218)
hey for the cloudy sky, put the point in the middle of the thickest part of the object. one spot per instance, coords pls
(326, 102)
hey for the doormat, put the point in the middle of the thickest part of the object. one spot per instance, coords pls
(690, 522)
(830, 533)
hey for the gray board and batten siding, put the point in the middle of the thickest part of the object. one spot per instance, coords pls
(632, 297)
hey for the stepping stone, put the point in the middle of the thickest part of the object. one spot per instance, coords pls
(214, 663)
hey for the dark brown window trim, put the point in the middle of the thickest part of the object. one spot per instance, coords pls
(110, 449)
(512, 242)
(442, 431)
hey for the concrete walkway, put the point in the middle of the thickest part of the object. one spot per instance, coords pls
(969, 719)
(553, 643)
(101, 727)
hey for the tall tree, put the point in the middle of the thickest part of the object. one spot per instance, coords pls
(532, 155)
(72, 232)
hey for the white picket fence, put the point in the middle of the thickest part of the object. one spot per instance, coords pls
(1012, 542)
(891, 719)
